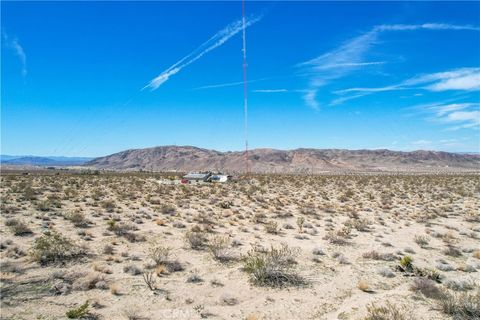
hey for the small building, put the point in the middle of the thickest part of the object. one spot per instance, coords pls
(196, 177)
(205, 177)
(220, 178)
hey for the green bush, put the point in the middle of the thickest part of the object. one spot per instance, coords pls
(406, 262)
(79, 312)
(53, 247)
(274, 267)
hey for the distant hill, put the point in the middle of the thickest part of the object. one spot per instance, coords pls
(187, 158)
(42, 161)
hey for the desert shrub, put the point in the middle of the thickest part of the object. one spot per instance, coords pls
(428, 273)
(426, 287)
(108, 249)
(386, 272)
(53, 247)
(338, 237)
(271, 227)
(225, 204)
(196, 240)
(358, 224)
(378, 256)
(228, 300)
(132, 269)
(159, 254)
(168, 209)
(388, 311)
(91, 281)
(300, 222)
(452, 251)
(463, 306)
(274, 267)
(219, 247)
(108, 205)
(422, 241)
(460, 285)
(364, 286)
(149, 279)
(18, 227)
(77, 218)
(194, 277)
(406, 262)
(79, 312)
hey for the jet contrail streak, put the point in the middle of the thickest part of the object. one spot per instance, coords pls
(215, 41)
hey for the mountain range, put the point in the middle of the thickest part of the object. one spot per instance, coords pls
(188, 158)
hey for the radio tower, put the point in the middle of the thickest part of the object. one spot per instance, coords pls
(245, 95)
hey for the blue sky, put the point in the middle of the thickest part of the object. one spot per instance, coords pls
(90, 79)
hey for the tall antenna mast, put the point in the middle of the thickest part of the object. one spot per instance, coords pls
(245, 95)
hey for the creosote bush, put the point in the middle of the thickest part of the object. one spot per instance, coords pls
(78, 313)
(196, 240)
(220, 249)
(53, 247)
(273, 268)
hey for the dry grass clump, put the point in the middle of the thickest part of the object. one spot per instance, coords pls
(339, 237)
(463, 306)
(18, 227)
(378, 256)
(460, 285)
(476, 254)
(388, 311)
(273, 268)
(271, 227)
(364, 286)
(159, 254)
(426, 287)
(421, 240)
(53, 247)
(77, 218)
(196, 239)
(219, 247)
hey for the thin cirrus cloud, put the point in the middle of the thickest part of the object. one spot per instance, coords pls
(18, 50)
(455, 115)
(462, 79)
(351, 55)
(228, 84)
(270, 90)
(214, 42)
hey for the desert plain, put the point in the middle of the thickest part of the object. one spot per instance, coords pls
(106, 245)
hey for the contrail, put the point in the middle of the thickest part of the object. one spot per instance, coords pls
(215, 41)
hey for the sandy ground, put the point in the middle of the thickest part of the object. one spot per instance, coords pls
(347, 234)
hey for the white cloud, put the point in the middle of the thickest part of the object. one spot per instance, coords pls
(310, 99)
(351, 55)
(470, 116)
(214, 42)
(228, 84)
(425, 26)
(467, 82)
(422, 142)
(270, 90)
(462, 79)
(19, 52)
(441, 110)
(455, 115)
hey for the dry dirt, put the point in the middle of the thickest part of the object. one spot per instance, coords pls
(331, 246)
